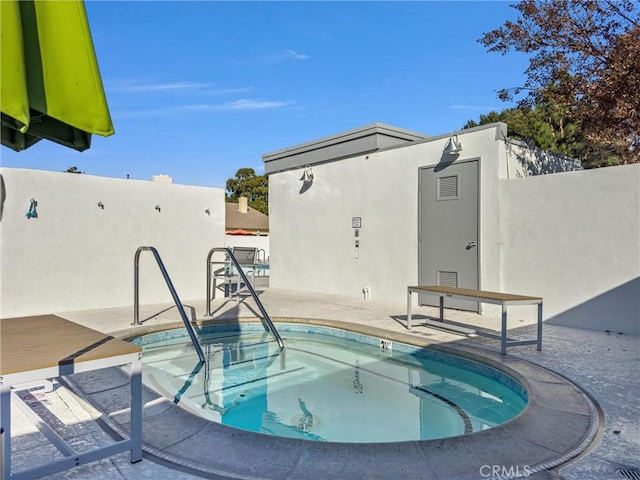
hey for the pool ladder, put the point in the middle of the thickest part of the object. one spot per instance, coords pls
(231, 258)
(174, 294)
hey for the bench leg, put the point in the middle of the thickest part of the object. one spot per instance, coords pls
(539, 348)
(136, 409)
(408, 310)
(503, 347)
(5, 425)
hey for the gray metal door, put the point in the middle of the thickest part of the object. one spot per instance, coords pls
(448, 230)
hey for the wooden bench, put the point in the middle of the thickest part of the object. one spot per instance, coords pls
(496, 298)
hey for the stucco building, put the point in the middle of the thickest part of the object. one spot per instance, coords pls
(367, 212)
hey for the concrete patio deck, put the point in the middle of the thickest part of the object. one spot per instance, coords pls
(605, 364)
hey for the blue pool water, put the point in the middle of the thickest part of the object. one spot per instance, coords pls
(327, 385)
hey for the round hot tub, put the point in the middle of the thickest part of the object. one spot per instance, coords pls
(327, 384)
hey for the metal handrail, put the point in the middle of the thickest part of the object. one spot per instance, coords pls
(174, 294)
(253, 293)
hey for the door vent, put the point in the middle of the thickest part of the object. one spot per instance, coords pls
(448, 187)
(447, 279)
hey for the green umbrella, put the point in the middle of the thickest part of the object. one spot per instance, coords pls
(51, 86)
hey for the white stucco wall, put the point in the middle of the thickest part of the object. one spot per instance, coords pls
(312, 240)
(76, 255)
(574, 238)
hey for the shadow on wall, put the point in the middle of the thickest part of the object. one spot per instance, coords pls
(3, 196)
(446, 160)
(535, 161)
(617, 310)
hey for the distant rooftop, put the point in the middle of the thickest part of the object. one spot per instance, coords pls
(358, 141)
(240, 217)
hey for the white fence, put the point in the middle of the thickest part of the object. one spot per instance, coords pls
(78, 252)
(574, 238)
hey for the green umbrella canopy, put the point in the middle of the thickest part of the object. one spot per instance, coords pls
(50, 82)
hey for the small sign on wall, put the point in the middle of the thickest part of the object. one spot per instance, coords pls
(356, 222)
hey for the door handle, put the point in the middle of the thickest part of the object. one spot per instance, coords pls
(471, 245)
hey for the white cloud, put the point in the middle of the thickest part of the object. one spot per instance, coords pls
(295, 55)
(201, 88)
(250, 104)
(284, 57)
(156, 87)
(237, 105)
(229, 91)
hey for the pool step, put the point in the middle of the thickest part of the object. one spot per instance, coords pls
(181, 359)
(234, 384)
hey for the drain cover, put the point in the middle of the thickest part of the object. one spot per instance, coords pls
(631, 473)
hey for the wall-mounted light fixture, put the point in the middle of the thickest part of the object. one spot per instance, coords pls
(32, 212)
(453, 146)
(158, 207)
(307, 176)
(101, 205)
(207, 211)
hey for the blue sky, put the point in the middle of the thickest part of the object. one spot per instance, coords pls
(199, 89)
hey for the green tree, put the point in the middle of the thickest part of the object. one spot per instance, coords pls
(247, 184)
(73, 170)
(549, 127)
(585, 61)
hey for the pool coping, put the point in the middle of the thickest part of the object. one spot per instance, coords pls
(559, 422)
